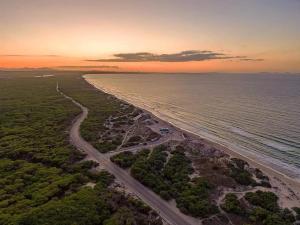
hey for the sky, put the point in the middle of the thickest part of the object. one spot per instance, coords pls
(156, 35)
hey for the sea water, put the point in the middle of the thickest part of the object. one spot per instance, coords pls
(256, 115)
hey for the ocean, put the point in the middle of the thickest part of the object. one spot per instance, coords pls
(256, 115)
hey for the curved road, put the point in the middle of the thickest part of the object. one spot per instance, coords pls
(169, 213)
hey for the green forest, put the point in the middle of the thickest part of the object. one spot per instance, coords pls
(43, 179)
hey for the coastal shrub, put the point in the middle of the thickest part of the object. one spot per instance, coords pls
(104, 177)
(148, 171)
(165, 195)
(242, 176)
(267, 212)
(122, 216)
(297, 211)
(232, 204)
(143, 171)
(157, 159)
(239, 163)
(177, 171)
(135, 139)
(142, 153)
(275, 219)
(105, 146)
(258, 214)
(265, 217)
(84, 165)
(239, 172)
(124, 159)
(266, 200)
(259, 174)
(265, 183)
(287, 215)
(195, 199)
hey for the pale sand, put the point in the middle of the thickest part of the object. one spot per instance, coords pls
(286, 188)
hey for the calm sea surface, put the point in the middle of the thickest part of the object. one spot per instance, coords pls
(257, 115)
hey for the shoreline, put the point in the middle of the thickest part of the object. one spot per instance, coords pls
(281, 183)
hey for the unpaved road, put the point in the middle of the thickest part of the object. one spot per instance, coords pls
(136, 148)
(169, 213)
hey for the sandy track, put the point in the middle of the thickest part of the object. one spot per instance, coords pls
(169, 213)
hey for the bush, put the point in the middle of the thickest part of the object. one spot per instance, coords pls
(275, 219)
(232, 205)
(287, 215)
(261, 215)
(297, 211)
(194, 200)
(266, 200)
(105, 178)
(165, 195)
(242, 176)
(124, 159)
(135, 139)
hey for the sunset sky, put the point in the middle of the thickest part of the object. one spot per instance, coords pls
(157, 35)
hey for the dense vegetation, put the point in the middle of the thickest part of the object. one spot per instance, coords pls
(170, 179)
(263, 209)
(239, 173)
(267, 209)
(126, 159)
(297, 211)
(195, 199)
(266, 200)
(34, 118)
(89, 207)
(42, 177)
(232, 204)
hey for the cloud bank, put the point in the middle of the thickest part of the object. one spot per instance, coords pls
(184, 56)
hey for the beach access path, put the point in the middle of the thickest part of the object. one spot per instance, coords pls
(168, 212)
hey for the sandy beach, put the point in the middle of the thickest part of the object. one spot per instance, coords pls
(286, 188)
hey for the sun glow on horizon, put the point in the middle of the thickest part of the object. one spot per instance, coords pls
(45, 34)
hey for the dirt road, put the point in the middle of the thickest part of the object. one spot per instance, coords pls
(168, 212)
